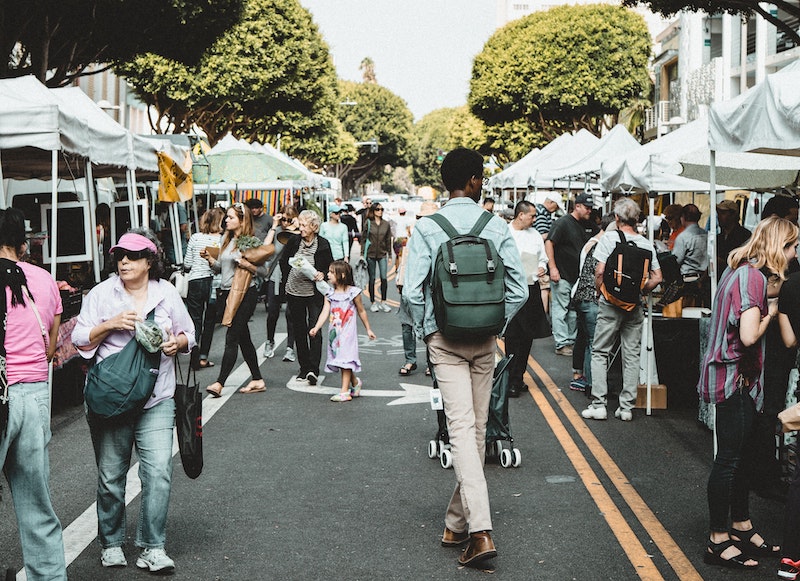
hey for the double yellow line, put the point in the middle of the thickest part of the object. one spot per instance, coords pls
(627, 539)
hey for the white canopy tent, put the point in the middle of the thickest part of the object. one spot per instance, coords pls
(546, 169)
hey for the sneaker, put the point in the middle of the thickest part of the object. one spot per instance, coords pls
(374, 308)
(289, 355)
(624, 415)
(113, 557)
(344, 396)
(356, 391)
(579, 384)
(269, 349)
(156, 561)
(789, 569)
(566, 351)
(595, 412)
(385, 308)
(311, 377)
(300, 379)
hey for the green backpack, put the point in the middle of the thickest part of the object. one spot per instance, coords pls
(468, 284)
(119, 386)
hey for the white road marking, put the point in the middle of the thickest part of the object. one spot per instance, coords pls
(409, 394)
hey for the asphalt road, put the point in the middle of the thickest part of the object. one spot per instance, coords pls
(298, 487)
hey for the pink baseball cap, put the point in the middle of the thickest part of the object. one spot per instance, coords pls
(131, 241)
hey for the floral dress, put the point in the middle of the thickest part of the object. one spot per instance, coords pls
(343, 331)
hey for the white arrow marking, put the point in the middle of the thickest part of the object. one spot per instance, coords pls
(409, 394)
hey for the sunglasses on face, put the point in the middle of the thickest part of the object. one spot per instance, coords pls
(379, 209)
(120, 253)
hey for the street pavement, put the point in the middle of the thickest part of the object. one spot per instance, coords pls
(298, 487)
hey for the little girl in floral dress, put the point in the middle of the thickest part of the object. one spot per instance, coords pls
(342, 303)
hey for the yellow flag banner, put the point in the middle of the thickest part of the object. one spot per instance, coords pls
(174, 183)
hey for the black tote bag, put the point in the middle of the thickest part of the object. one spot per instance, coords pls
(189, 422)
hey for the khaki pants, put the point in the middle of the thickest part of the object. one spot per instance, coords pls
(464, 376)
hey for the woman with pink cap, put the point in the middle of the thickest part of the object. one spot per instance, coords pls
(105, 325)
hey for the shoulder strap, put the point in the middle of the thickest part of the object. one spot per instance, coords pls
(444, 224)
(622, 237)
(480, 224)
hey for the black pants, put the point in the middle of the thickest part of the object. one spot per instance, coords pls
(790, 547)
(274, 301)
(528, 324)
(729, 482)
(203, 312)
(238, 337)
(304, 312)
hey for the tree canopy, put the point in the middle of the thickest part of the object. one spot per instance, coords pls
(742, 7)
(567, 68)
(369, 111)
(271, 74)
(56, 40)
(438, 132)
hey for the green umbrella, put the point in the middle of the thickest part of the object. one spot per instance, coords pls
(240, 166)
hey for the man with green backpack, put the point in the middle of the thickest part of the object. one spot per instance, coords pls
(464, 281)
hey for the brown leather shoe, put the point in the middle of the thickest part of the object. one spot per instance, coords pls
(480, 548)
(453, 539)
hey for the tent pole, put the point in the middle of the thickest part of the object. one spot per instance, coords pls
(2, 187)
(54, 218)
(131, 186)
(649, 326)
(91, 195)
(712, 228)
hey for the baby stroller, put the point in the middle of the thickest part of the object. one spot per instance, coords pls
(499, 442)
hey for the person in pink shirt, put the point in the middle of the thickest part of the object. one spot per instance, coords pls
(30, 313)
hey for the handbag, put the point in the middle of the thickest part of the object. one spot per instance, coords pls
(119, 386)
(189, 422)
(181, 282)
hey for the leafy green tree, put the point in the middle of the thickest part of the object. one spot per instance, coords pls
(271, 74)
(567, 68)
(744, 8)
(370, 112)
(56, 40)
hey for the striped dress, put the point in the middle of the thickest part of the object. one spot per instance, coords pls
(726, 358)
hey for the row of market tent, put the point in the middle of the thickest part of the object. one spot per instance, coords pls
(61, 134)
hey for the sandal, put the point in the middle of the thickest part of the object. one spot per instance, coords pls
(250, 388)
(407, 369)
(215, 392)
(713, 556)
(750, 547)
(205, 363)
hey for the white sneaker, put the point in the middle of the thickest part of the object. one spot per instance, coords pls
(289, 355)
(156, 561)
(312, 378)
(113, 557)
(595, 412)
(374, 308)
(385, 308)
(624, 415)
(269, 350)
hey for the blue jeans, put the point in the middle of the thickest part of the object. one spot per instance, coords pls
(23, 450)
(565, 327)
(729, 483)
(151, 433)
(381, 264)
(587, 320)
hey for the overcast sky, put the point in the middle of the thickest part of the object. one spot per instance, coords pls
(422, 49)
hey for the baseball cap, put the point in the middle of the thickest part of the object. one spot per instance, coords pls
(131, 241)
(585, 199)
(727, 205)
(401, 210)
(334, 209)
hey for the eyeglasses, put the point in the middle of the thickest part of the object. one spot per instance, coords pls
(286, 220)
(120, 253)
(379, 209)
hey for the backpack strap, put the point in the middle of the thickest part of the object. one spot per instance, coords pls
(444, 224)
(480, 224)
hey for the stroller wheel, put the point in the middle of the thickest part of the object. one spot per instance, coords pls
(443, 447)
(433, 448)
(517, 457)
(498, 448)
(446, 459)
(505, 458)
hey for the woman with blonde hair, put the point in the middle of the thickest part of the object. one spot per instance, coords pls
(238, 223)
(732, 378)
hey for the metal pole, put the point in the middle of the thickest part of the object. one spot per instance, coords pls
(91, 197)
(649, 326)
(54, 217)
(2, 188)
(131, 185)
(712, 226)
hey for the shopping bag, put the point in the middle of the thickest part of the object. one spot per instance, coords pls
(361, 274)
(189, 422)
(181, 282)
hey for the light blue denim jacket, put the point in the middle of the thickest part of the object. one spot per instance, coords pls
(423, 245)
